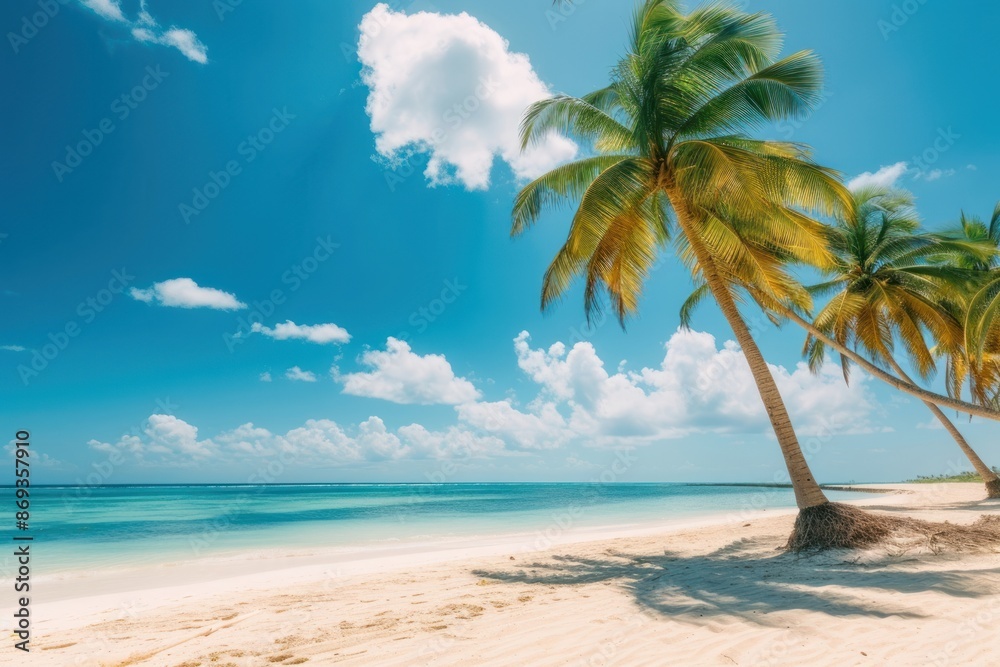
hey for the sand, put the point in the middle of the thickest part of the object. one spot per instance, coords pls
(722, 593)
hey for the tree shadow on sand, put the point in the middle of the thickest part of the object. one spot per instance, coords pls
(973, 507)
(748, 580)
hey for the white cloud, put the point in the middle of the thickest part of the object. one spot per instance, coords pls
(187, 43)
(889, 176)
(315, 333)
(165, 439)
(109, 9)
(265, 376)
(170, 441)
(401, 376)
(186, 293)
(12, 348)
(935, 174)
(884, 177)
(453, 444)
(296, 373)
(544, 428)
(698, 388)
(448, 85)
(145, 29)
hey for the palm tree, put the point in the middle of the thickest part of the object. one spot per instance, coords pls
(885, 289)
(671, 163)
(978, 360)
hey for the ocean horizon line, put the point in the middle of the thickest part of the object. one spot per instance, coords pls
(441, 484)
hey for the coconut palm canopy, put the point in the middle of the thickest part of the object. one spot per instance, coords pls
(887, 284)
(891, 283)
(977, 362)
(668, 137)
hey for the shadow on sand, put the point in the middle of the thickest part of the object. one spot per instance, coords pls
(748, 579)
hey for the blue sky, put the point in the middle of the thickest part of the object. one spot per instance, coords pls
(242, 167)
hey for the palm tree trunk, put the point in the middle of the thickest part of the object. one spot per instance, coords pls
(888, 378)
(807, 491)
(991, 479)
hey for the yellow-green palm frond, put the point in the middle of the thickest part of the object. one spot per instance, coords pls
(670, 124)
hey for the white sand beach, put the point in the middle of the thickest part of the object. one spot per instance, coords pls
(715, 594)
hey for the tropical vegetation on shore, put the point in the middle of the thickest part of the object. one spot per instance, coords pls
(673, 163)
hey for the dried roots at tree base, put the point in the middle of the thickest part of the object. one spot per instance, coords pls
(839, 526)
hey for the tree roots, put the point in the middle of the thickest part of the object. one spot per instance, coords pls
(993, 489)
(839, 526)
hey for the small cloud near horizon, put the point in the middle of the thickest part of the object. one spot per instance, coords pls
(297, 374)
(890, 175)
(886, 177)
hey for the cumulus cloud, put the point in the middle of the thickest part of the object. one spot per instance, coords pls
(265, 376)
(543, 428)
(165, 438)
(186, 293)
(314, 333)
(698, 388)
(401, 376)
(146, 29)
(171, 442)
(884, 177)
(296, 373)
(448, 86)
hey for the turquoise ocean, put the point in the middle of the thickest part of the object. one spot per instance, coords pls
(93, 528)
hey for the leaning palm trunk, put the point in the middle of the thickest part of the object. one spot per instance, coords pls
(990, 478)
(670, 135)
(819, 524)
(889, 378)
(807, 491)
